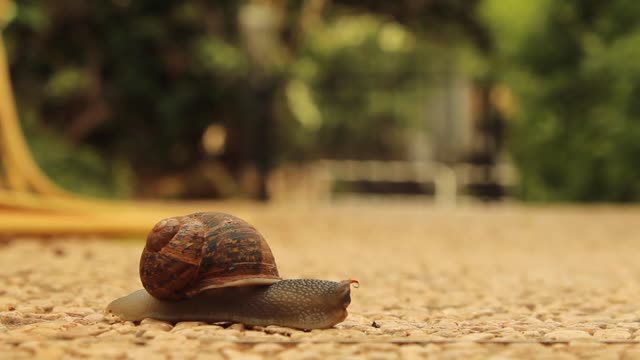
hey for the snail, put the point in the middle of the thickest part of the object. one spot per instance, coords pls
(215, 267)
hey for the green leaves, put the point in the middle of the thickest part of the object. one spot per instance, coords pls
(574, 69)
(65, 83)
(218, 57)
(360, 84)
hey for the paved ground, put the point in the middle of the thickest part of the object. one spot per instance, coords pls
(494, 282)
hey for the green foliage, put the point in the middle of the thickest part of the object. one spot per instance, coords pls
(360, 84)
(138, 82)
(573, 66)
(65, 83)
(79, 167)
(135, 82)
(215, 55)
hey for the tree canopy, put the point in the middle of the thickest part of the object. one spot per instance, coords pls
(573, 66)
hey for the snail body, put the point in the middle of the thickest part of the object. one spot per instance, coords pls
(215, 267)
(298, 303)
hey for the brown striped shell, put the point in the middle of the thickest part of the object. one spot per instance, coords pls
(186, 255)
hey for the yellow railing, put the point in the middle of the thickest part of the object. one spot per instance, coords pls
(21, 173)
(32, 204)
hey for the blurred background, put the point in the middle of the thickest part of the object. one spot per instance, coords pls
(309, 101)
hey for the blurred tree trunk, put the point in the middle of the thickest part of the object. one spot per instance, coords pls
(264, 94)
(261, 26)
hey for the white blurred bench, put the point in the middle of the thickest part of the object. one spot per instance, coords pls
(443, 177)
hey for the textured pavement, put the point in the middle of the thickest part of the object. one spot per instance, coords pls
(481, 282)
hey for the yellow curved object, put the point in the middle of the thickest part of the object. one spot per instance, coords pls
(20, 168)
(32, 204)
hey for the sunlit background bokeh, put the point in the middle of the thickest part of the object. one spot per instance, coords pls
(316, 101)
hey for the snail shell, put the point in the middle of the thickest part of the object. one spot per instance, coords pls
(186, 255)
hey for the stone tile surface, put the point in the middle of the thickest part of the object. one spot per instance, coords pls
(494, 282)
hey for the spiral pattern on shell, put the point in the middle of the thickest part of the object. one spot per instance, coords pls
(186, 255)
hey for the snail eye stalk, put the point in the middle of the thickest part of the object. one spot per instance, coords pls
(356, 283)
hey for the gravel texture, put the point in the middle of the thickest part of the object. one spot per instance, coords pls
(479, 282)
